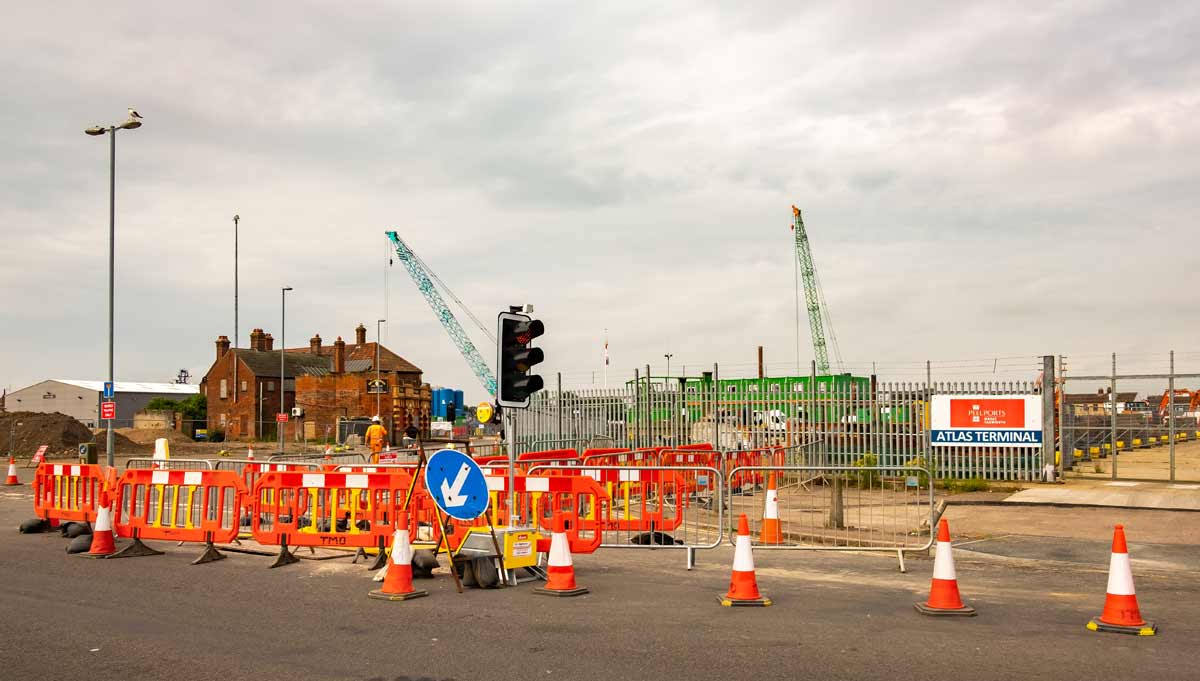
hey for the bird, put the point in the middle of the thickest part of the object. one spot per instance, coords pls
(134, 114)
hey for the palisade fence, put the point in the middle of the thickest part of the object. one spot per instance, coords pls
(856, 421)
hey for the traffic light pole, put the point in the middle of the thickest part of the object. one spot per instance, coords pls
(510, 442)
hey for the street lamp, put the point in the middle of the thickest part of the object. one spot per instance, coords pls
(236, 335)
(95, 131)
(378, 395)
(282, 345)
(668, 356)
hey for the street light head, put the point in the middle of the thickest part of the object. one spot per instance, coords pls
(381, 321)
(236, 218)
(131, 124)
(95, 130)
(287, 288)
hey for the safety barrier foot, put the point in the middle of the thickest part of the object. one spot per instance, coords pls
(359, 553)
(759, 602)
(965, 611)
(1147, 629)
(210, 554)
(285, 557)
(134, 550)
(380, 561)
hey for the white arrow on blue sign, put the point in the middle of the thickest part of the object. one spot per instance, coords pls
(456, 484)
(108, 390)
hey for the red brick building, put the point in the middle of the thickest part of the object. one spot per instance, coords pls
(327, 381)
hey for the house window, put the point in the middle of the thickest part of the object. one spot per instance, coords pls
(223, 420)
(243, 386)
(224, 389)
(271, 386)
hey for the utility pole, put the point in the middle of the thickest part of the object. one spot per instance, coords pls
(282, 426)
(236, 335)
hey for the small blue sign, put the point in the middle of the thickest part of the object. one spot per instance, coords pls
(108, 390)
(456, 484)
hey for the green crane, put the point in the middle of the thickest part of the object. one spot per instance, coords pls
(813, 298)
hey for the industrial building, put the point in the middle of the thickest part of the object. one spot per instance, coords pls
(81, 399)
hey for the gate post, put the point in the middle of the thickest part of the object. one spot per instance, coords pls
(1048, 467)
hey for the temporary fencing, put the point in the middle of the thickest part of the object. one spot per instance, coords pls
(331, 459)
(169, 464)
(861, 508)
(67, 491)
(538, 496)
(177, 505)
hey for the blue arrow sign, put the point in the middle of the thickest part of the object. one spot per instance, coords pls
(456, 484)
(108, 390)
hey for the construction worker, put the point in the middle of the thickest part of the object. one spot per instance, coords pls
(376, 438)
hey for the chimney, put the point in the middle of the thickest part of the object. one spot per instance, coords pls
(339, 356)
(256, 336)
(314, 344)
(222, 346)
(360, 335)
(268, 343)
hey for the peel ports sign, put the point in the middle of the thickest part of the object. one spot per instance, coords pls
(986, 421)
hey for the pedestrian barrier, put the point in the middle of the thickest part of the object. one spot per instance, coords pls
(67, 491)
(327, 509)
(861, 508)
(553, 457)
(177, 505)
(319, 458)
(169, 464)
(538, 496)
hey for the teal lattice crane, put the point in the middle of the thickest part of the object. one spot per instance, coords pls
(421, 276)
(813, 298)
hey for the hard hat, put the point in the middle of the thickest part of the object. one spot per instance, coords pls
(375, 419)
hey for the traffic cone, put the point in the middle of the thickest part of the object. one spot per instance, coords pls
(1121, 614)
(162, 449)
(943, 590)
(103, 545)
(771, 531)
(397, 582)
(743, 587)
(249, 453)
(12, 472)
(560, 571)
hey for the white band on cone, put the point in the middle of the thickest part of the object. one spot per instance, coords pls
(743, 559)
(560, 554)
(772, 509)
(1120, 575)
(402, 552)
(103, 522)
(943, 562)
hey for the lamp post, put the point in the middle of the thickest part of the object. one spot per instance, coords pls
(668, 356)
(282, 344)
(378, 395)
(236, 335)
(96, 130)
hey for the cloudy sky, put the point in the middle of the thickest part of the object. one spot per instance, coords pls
(982, 182)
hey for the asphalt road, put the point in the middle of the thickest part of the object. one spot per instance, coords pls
(844, 616)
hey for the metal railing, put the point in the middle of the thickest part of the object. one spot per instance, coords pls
(169, 464)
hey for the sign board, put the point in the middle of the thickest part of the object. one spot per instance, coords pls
(202, 433)
(483, 413)
(40, 455)
(108, 390)
(108, 410)
(377, 386)
(456, 484)
(985, 421)
(281, 417)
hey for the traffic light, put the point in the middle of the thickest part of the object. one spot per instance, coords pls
(514, 384)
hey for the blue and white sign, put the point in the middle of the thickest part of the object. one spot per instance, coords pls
(108, 390)
(985, 421)
(456, 484)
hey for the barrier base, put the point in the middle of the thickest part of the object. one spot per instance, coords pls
(210, 554)
(1147, 629)
(135, 550)
(381, 596)
(965, 611)
(728, 602)
(381, 560)
(578, 591)
(285, 557)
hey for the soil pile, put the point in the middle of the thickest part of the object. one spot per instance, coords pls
(61, 432)
(147, 436)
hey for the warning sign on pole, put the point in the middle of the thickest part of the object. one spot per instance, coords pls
(281, 418)
(108, 410)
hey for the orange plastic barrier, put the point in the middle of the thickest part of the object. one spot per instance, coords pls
(560, 457)
(191, 506)
(67, 491)
(578, 497)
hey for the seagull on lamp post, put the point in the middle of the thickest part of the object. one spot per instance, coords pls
(134, 114)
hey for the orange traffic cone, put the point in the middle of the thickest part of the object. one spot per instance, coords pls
(943, 590)
(743, 587)
(12, 472)
(397, 582)
(771, 531)
(1121, 614)
(103, 545)
(249, 453)
(560, 571)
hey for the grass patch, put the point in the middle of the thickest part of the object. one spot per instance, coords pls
(968, 485)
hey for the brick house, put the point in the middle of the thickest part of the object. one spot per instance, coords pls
(327, 381)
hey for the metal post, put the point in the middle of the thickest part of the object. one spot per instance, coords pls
(716, 406)
(668, 356)
(1067, 461)
(1048, 421)
(282, 373)
(1171, 413)
(637, 410)
(1112, 403)
(510, 439)
(236, 385)
(559, 404)
(379, 395)
(111, 441)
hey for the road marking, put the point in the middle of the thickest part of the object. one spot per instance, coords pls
(1122, 484)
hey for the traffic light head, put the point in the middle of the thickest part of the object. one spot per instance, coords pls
(514, 383)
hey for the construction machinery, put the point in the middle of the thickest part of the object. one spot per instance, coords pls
(814, 298)
(424, 277)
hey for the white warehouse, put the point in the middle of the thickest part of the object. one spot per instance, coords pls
(81, 399)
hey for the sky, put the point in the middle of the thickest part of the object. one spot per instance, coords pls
(982, 183)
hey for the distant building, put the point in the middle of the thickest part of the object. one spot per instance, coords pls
(326, 381)
(81, 399)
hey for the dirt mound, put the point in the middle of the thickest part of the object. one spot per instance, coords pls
(123, 444)
(147, 436)
(61, 432)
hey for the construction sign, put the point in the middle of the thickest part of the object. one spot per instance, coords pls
(986, 421)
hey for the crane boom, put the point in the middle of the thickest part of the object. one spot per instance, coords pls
(812, 296)
(421, 278)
